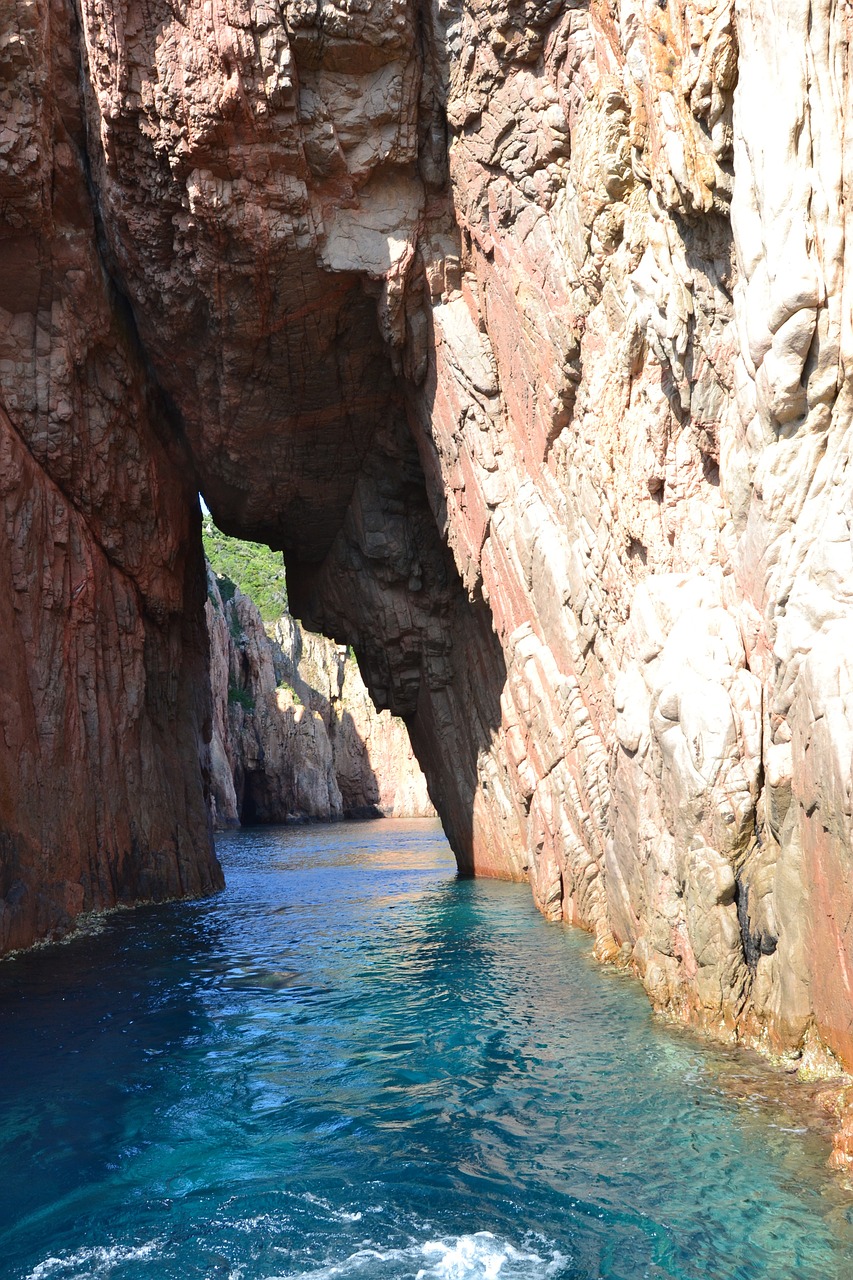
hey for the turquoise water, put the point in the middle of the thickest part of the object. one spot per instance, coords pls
(350, 1064)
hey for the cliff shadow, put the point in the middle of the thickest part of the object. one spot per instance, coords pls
(426, 647)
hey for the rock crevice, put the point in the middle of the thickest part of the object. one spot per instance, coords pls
(523, 329)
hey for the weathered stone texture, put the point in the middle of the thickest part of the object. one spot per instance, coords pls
(524, 328)
(295, 733)
(638, 423)
(103, 690)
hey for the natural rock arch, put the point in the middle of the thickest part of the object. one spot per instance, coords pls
(447, 301)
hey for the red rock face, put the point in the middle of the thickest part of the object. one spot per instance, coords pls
(521, 328)
(250, 246)
(103, 659)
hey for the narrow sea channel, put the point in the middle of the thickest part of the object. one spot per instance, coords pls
(352, 1064)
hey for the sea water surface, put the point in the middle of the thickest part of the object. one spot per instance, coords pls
(352, 1064)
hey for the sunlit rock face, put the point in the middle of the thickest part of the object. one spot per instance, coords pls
(638, 418)
(295, 733)
(524, 328)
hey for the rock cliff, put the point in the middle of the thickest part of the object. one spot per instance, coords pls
(103, 687)
(523, 327)
(295, 733)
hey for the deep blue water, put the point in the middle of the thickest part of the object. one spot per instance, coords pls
(351, 1064)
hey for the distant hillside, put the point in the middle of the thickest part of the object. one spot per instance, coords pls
(254, 568)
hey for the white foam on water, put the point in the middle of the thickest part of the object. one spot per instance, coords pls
(91, 1264)
(480, 1256)
(342, 1215)
(483, 1257)
(477, 1255)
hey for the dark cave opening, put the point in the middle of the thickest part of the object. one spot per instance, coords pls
(251, 805)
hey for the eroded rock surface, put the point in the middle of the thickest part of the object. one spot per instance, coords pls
(295, 733)
(524, 329)
(103, 687)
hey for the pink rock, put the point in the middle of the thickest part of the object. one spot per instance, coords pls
(524, 332)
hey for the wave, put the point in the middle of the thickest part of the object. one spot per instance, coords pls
(94, 1263)
(480, 1256)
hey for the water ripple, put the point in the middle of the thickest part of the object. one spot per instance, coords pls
(352, 1064)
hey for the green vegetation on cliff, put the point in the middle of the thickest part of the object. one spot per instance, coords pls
(254, 568)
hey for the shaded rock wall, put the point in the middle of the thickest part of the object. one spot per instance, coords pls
(524, 330)
(102, 649)
(295, 733)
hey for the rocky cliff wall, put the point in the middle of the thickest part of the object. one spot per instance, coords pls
(650, 326)
(295, 733)
(102, 653)
(524, 328)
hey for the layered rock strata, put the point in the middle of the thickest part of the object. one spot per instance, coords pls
(103, 685)
(524, 328)
(295, 733)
